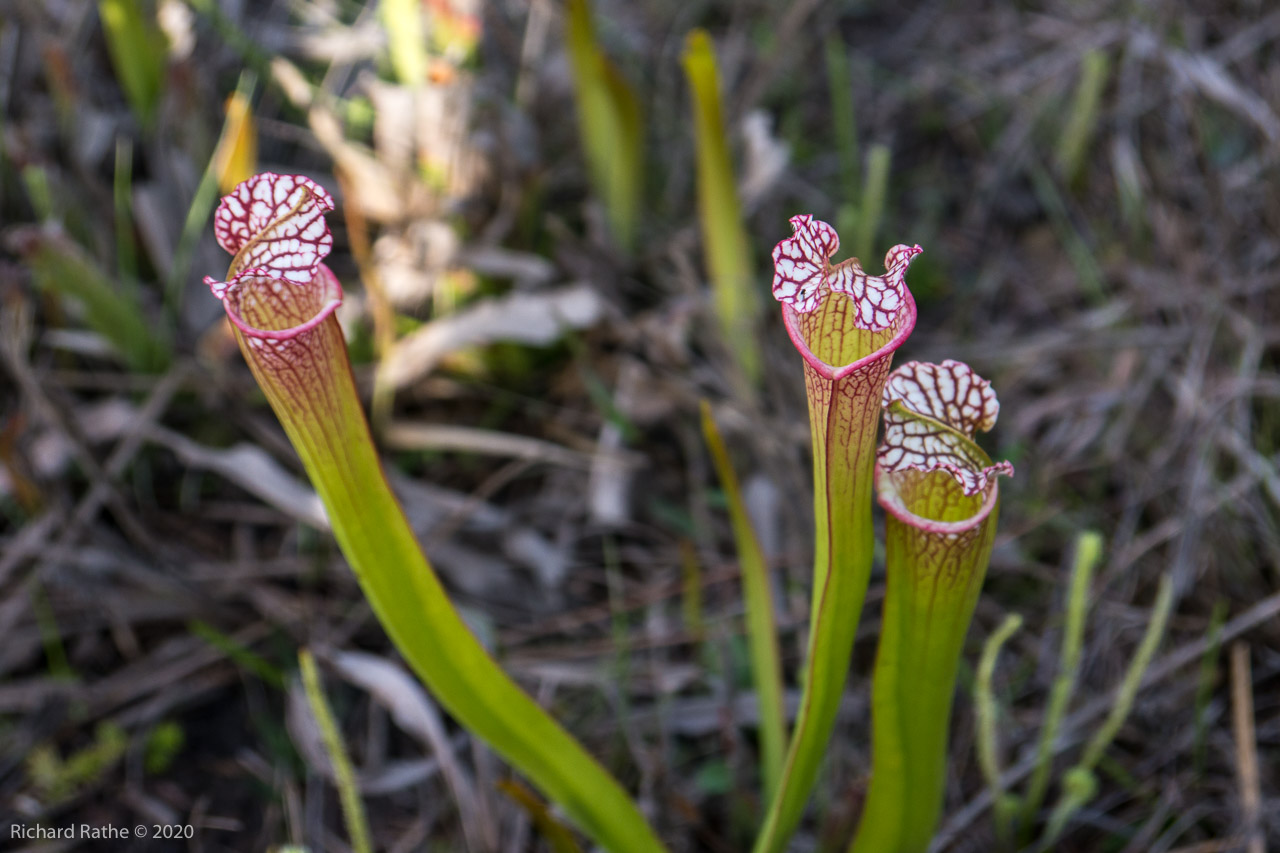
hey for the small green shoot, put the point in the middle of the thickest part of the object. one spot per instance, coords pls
(344, 774)
(1087, 554)
(55, 654)
(1080, 782)
(35, 181)
(728, 250)
(1207, 682)
(1077, 247)
(985, 723)
(122, 195)
(163, 745)
(691, 591)
(843, 120)
(239, 654)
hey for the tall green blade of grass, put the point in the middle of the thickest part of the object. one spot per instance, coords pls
(138, 54)
(843, 116)
(205, 197)
(610, 126)
(122, 193)
(1082, 121)
(874, 190)
(62, 267)
(344, 774)
(728, 252)
(762, 632)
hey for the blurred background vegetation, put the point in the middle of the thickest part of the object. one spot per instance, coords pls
(554, 223)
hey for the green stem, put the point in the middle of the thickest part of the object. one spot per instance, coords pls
(933, 577)
(343, 773)
(985, 723)
(844, 413)
(294, 346)
(1088, 552)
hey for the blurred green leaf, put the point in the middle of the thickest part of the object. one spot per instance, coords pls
(714, 778)
(728, 251)
(59, 266)
(762, 632)
(610, 125)
(163, 745)
(138, 53)
(1082, 121)
(57, 779)
(402, 20)
(874, 189)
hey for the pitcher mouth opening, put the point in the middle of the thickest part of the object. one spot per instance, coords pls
(256, 295)
(890, 498)
(906, 322)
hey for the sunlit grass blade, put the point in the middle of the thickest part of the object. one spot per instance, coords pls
(344, 775)
(138, 54)
(725, 242)
(201, 207)
(762, 632)
(61, 267)
(236, 157)
(610, 126)
(406, 39)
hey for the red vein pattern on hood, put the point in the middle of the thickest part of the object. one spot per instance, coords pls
(804, 275)
(275, 222)
(932, 412)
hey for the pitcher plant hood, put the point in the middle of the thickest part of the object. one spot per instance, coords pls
(931, 414)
